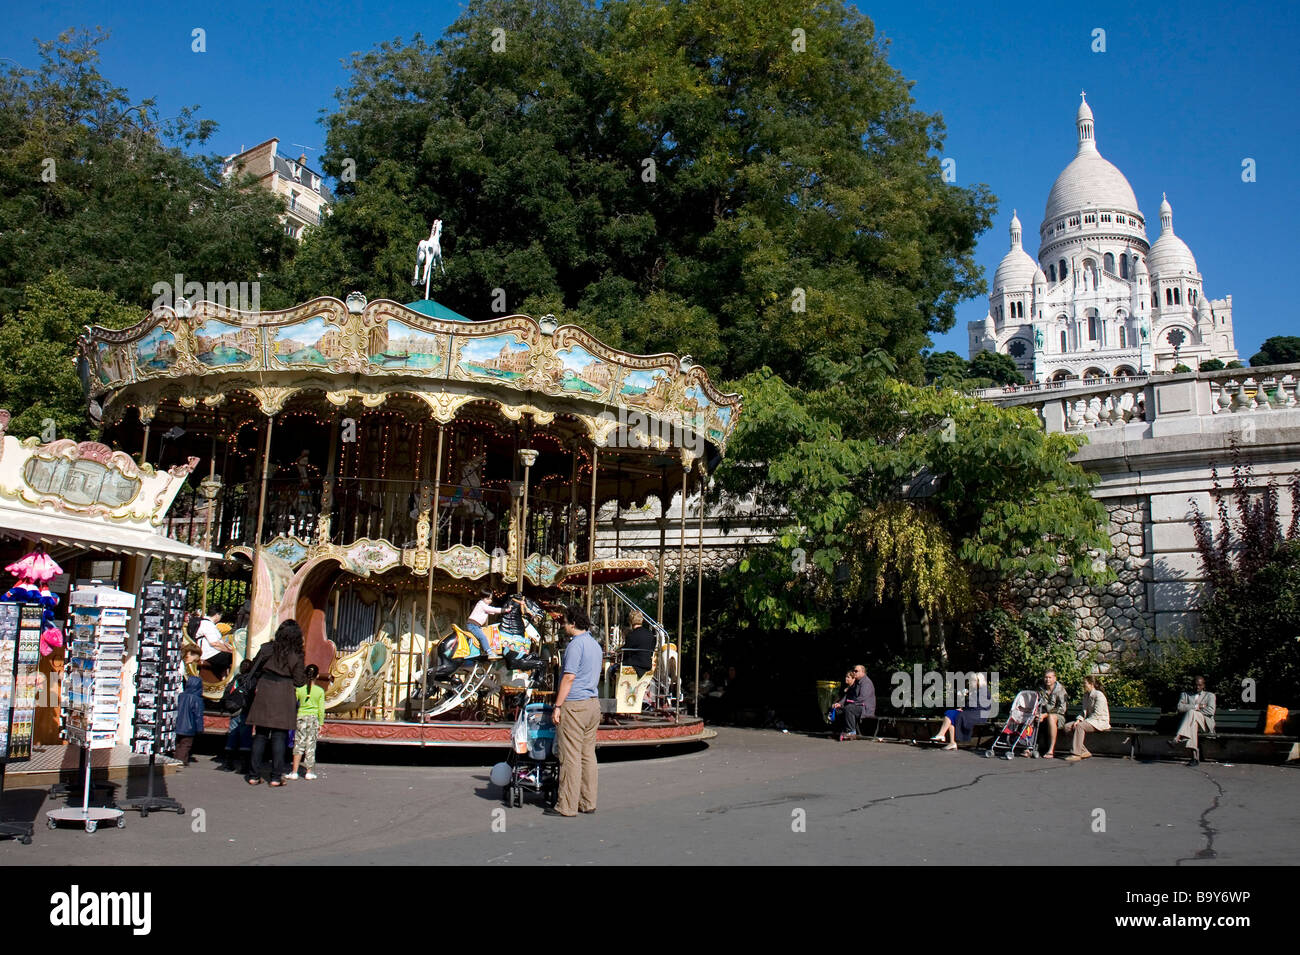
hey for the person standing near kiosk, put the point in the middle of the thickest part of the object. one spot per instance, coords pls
(576, 716)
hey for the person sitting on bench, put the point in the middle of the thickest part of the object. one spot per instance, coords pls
(1051, 709)
(1198, 717)
(857, 702)
(1095, 719)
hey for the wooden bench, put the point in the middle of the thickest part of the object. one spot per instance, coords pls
(1136, 722)
(1236, 721)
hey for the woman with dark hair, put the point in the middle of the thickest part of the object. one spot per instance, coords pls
(278, 669)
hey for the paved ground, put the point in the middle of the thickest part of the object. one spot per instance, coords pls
(739, 800)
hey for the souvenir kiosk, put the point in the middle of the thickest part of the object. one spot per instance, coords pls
(370, 467)
(69, 507)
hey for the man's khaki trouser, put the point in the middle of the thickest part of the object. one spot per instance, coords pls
(577, 738)
(1193, 722)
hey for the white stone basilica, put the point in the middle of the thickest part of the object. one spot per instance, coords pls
(1101, 300)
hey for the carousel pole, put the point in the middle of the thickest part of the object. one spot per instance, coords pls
(681, 593)
(662, 521)
(699, 597)
(261, 498)
(209, 490)
(591, 522)
(428, 593)
(144, 448)
(570, 545)
(529, 457)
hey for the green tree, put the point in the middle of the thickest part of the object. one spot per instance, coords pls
(897, 493)
(39, 378)
(996, 366)
(676, 176)
(1277, 350)
(102, 189)
(945, 368)
(1213, 364)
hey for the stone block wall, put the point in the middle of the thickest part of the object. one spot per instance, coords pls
(1112, 618)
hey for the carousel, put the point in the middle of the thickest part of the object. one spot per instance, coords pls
(370, 469)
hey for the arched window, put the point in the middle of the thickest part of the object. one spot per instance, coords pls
(1178, 297)
(1191, 296)
(1155, 302)
(1123, 266)
(1051, 273)
(1092, 327)
(1123, 337)
(1061, 270)
(1063, 348)
(1169, 296)
(1108, 263)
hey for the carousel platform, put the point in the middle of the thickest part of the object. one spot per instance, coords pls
(628, 731)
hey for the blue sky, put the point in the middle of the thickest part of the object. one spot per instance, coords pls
(1182, 94)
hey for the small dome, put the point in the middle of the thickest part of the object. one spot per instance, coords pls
(1170, 254)
(1085, 111)
(1015, 272)
(1040, 276)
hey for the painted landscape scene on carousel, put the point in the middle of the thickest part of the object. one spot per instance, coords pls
(397, 345)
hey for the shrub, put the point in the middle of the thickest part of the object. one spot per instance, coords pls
(1024, 646)
(1158, 677)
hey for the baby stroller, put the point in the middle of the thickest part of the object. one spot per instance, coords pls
(1021, 729)
(534, 766)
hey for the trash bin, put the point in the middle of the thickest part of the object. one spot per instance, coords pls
(828, 691)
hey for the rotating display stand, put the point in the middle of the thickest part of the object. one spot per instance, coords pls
(158, 679)
(92, 687)
(19, 654)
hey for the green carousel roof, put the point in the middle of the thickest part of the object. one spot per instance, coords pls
(435, 310)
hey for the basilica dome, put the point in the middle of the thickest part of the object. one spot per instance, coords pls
(1089, 181)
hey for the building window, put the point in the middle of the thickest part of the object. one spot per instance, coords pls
(1155, 302)
(1123, 337)
(1074, 220)
(1178, 297)
(1016, 349)
(1123, 266)
(1051, 273)
(1063, 348)
(293, 201)
(1091, 218)
(1108, 263)
(1105, 217)
(1092, 328)
(1061, 270)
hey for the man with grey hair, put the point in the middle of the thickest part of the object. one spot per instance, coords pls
(1051, 709)
(857, 702)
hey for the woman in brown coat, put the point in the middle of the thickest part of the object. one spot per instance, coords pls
(274, 710)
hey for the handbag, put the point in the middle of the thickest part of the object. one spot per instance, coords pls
(250, 684)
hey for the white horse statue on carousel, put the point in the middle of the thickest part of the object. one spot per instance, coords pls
(429, 254)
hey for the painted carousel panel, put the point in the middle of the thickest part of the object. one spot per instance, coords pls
(397, 346)
(219, 344)
(502, 358)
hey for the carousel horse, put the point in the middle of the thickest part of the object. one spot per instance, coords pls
(513, 647)
(428, 254)
(468, 496)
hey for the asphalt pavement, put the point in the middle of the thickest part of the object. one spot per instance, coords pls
(748, 797)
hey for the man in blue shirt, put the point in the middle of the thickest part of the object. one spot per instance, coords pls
(576, 715)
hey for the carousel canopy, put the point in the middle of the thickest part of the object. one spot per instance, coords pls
(369, 352)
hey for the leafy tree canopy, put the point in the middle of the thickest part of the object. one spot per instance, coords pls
(945, 368)
(1278, 350)
(996, 366)
(101, 188)
(38, 377)
(694, 177)
(890, 488)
